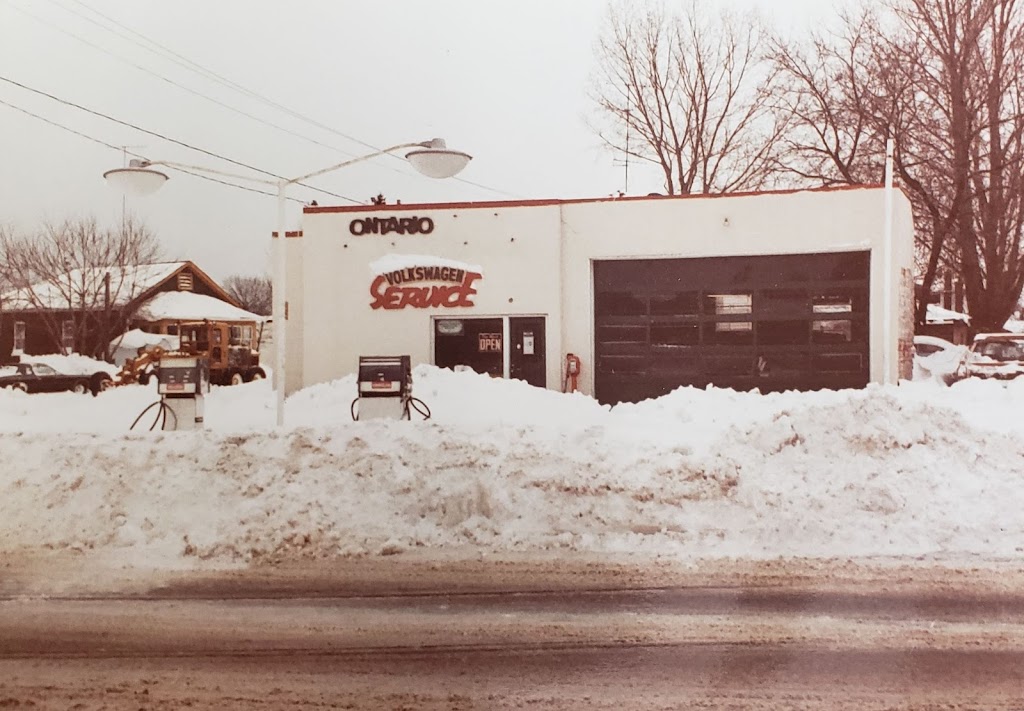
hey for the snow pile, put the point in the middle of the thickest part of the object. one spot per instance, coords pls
(941, 365)
(915, 470)
(74, 364)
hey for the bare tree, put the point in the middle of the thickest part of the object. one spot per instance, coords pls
(943, 79)
(76, 268)
(254, 293)
(691, 95)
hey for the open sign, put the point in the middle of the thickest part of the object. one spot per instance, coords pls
(489, 343)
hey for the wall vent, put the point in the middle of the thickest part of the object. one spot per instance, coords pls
(185, 281)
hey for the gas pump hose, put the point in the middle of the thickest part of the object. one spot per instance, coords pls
(161, 413)
(424, 411)
(411, 402)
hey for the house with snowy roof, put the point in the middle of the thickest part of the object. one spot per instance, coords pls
(85, 309)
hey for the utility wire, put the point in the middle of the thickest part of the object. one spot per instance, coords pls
(163, 78)
(193, 66)
(170, 140)
(121, 149)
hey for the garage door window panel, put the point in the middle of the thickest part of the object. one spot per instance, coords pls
(681, 304)
(783, 303)
(783, 333)
(621, 304)
(675, 334)
(622, 364)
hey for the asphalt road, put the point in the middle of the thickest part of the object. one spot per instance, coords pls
(211, 646)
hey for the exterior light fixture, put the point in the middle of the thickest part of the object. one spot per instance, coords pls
(435, 160)
(137, 179)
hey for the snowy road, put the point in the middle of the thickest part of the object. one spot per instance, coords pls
(826, 637)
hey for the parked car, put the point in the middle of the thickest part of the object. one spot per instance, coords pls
(937, 358)
(994, 355)
(41, 378)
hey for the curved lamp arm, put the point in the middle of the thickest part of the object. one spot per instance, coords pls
(143, 163)
(360, 159)
(202, 169)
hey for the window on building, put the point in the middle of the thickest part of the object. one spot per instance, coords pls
(621, 304)
(67, 336)
(832, 331)
(675, 334)
(728, 304)
(19, 337)
(833, 304)
(241, 335)
(682, 304)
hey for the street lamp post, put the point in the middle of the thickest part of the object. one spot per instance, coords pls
(431, 158)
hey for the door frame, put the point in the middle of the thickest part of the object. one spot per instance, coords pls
(506, 332)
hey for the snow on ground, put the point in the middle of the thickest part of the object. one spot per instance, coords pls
(915, 470)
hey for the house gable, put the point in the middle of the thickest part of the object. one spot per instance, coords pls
(189, 277)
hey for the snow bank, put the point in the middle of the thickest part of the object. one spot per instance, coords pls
(74, 364)
(916, 470)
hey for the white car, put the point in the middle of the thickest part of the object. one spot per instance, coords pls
(937, 358)
(994, 355)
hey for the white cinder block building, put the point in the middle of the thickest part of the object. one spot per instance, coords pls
(769, 290)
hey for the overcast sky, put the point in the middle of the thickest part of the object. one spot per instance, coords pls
(504, 81)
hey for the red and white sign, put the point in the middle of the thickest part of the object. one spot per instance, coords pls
(453, 288)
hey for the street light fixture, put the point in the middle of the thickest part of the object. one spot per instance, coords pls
(431, 158)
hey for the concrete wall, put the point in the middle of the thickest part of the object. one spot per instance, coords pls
(537, 260)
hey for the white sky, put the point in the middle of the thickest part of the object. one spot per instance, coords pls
(504, 81)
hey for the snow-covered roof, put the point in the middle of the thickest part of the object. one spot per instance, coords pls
(937, 314)
(77, 285)
(189, 306)
(396, 262)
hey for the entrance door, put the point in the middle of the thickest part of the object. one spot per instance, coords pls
(526, 358)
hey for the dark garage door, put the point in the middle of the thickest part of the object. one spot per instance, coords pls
(773, 323)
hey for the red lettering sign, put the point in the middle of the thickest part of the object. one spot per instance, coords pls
(394, 290)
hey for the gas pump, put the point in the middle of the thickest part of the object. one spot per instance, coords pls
(385, 390)
(182, 381)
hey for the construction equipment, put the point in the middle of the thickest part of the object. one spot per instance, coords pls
(230, 349)
(137, 370)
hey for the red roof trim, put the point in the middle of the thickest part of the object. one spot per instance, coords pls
(557, 201)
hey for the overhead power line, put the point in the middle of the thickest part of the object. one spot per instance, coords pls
(187, 63)
(163, 78)
(169, 139)
(121, 149)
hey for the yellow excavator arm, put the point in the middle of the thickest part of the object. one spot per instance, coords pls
(135, 367)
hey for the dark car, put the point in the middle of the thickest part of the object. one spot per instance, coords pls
(41, 378)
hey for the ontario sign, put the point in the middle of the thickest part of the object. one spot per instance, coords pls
(387, 225)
